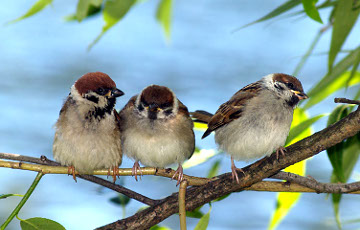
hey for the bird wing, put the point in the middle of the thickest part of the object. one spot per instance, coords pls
(232, 109)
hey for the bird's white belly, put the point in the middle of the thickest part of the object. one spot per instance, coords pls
(249, 139)
(87, 151)
(155, 150)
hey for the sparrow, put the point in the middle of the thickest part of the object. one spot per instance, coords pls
(156, 129)
(256, 120)
(87, 135)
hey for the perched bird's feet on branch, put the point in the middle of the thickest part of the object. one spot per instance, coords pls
(71, 171)
(115, 173)
(135, 168)
(281, 150)
(234, 170)
(180, 173)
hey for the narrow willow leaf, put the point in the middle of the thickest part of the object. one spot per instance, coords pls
(336, 203)
(311, 10)
(214, 170)
(203, 222)
(298, 129)
(344, 19)
(199, 157)
(36, 8)
(308, 53)
(337, 70)
(276, 12)
(3, 196)
(39, 223)
(335, 153)
(82, 9)
(163, 15)
(113, 12)
(333, 86)
(354, 70)
(285, 201)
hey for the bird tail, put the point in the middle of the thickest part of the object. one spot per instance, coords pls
(201, 116)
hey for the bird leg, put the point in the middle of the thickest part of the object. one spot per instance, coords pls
(135, 168)
(71, 170)
(234, 171)
(180, 173)
(281, 150)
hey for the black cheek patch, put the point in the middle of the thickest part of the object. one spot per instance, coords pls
(168, 112)
(93, 99)
(293, 101)
(140, 108)
(279, 87)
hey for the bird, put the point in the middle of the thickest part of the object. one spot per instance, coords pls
(87, 132)
(156, 130)
(256, 120)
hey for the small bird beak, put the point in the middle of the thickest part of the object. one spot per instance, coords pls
(153, 107)
(115, 93)
(300, 95)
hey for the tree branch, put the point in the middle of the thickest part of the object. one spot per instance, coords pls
(198, 196)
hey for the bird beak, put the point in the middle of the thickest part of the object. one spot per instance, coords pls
(115, 93)
(300, 95)
(153, 107)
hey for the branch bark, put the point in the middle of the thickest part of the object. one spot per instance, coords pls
(267, 167)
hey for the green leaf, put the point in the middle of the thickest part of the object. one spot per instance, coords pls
(199, 157)
(3, 196)
(347, 155)
(300, 128)
(203, 222)
(214, 170)
(221, 198)
(196, 213)
(276, 12)
(200, 126)
(157, 227)
(311, 10)
(120, 199)
(344, 19)
(337, 84)
(354, 70)
(39, 223)
(113, 12)
(163, 15)
(36, 8)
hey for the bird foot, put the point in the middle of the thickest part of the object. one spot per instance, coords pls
(234, 170)
(180, 173)
(71, 171)
(135, 168)
(281, 150)
(115, 173)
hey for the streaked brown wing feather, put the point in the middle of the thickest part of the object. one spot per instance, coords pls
(233, 108)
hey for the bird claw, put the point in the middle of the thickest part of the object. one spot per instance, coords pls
(135, 168)
(115, 173)
(180, 173)
(281, 150)
(234, 170)
(71, 171)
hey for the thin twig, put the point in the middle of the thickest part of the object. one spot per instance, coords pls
(346, 101)
(182, 210)
(23, 201)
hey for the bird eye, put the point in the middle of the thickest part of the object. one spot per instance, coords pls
(290, 85)
(100, 91)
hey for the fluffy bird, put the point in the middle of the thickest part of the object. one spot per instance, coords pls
(87, 133)
(256, 120)
(157, 130)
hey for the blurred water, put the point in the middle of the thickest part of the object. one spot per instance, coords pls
(205, 64)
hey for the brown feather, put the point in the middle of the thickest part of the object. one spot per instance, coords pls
(93, 81)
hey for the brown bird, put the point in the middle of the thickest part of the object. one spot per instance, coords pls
(256, 120)
(157, 130)
(87, 133)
